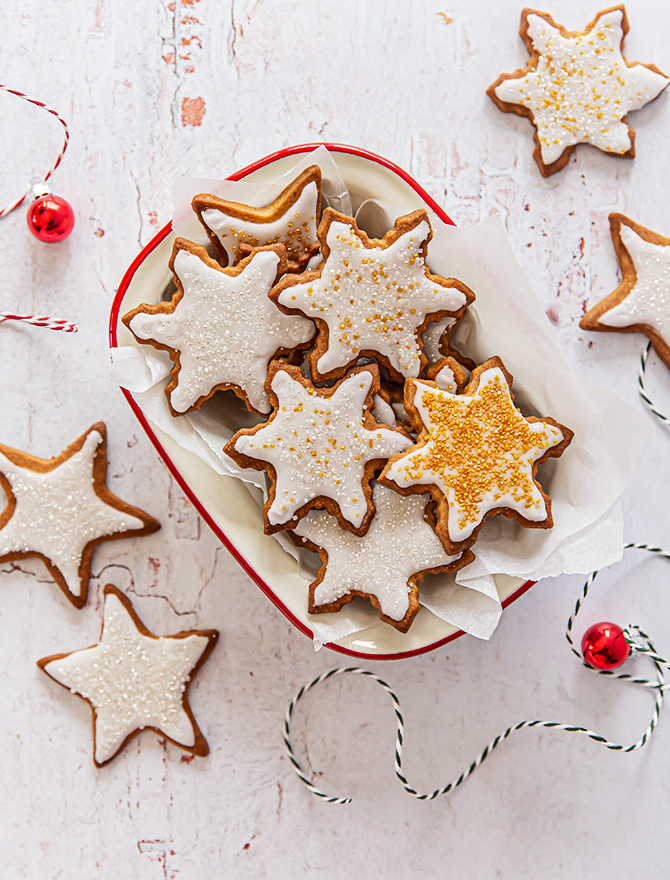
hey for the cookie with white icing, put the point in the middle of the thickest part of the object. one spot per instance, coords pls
(448, 374)
(134, 680)
(384, 566)
(220, 329)
(291, 220)
(476, 454)
(577, 87)
(371, 297)
(320, 447)
(434, 336)
(641, 303)
(382, 408)
(60, 509)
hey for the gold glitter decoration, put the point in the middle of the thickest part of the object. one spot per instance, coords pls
(479, 451)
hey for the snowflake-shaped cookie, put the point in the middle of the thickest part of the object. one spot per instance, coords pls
(320, 446)
(371, 297)
(385, 565)
(220, 329)
(641, 303)
(476, 454)
(577, 87)
(291, 219)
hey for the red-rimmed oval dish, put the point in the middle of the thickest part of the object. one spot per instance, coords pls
(223, 502)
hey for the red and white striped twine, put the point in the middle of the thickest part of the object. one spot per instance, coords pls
(41, 321)
(15, 204)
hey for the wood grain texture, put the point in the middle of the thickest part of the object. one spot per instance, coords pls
(161, 88)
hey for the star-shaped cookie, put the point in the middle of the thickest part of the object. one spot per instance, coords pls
(291, 219)
(134, 680)
(577, 87)
(320, 447)
(220, 328)
(60, 509)
(385, 565)
(476, 454)
(641, 303)
(371, 297)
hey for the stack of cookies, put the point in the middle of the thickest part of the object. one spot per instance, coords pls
(385, 449)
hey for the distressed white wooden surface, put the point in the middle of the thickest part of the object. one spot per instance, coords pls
(156, 89)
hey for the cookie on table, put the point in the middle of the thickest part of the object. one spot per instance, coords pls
(371, 297)
(220, 328)
(476, 454)
(291, 220)
(384, 566)
(641, 303)
(320, 447)
(577, 87)
(59, 510)
(134, 680)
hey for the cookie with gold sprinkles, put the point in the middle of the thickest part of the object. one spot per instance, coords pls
(371, 297)
(291, 220)
(577, 87)
(320, 447)
(476, 454)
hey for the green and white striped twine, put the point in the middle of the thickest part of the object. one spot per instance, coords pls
(643, 391)
(643, 647)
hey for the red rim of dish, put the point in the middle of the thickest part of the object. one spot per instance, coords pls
(253, 574)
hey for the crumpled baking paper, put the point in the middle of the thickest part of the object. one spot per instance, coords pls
(506, 319)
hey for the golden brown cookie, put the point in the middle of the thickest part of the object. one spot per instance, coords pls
(320, 447)
(220, 328)
(371, 297)
(291, 220)
(448, 374)
(384, 566)
(59, 510)
(641, 303)
(577, 87)
(476, 454)
(134, 680)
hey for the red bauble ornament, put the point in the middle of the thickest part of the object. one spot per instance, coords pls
(604, 646)
(50, 218)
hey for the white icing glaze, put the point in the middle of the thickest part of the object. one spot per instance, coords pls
(649, 299)
(432, 337)
(446, 380)
(58, 513)
(383, 411)
(372, 298)
(491, 467)
(296, 228)
(581, 87)
(400, 412)
(132, 681)
(319, 446)
(225, 328)
(398, 544)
